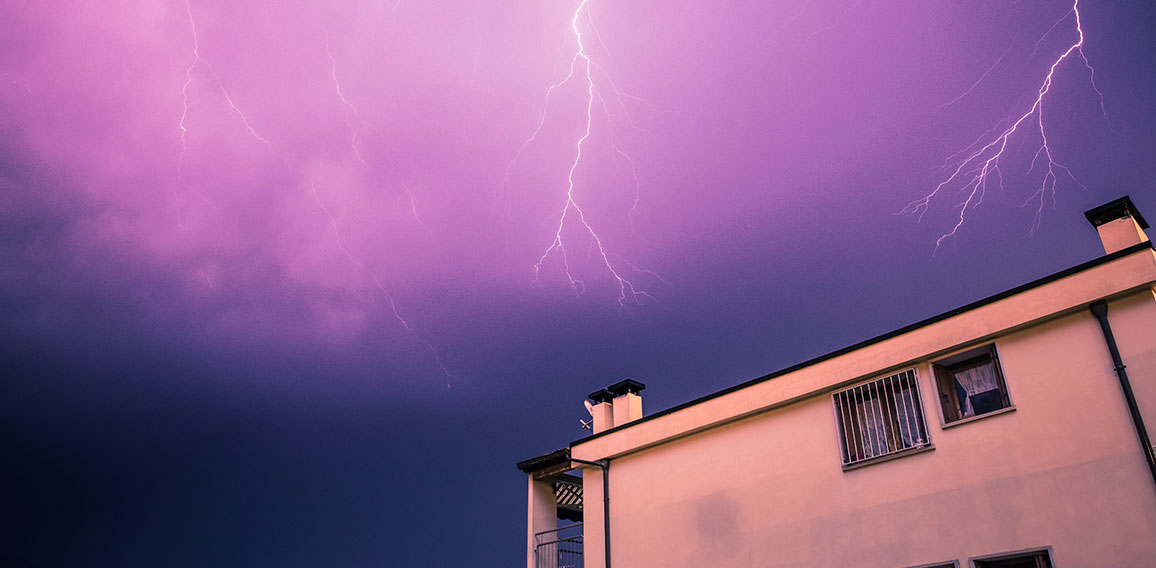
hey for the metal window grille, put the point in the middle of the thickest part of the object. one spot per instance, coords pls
(880, 418)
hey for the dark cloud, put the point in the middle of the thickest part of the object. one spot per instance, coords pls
(205, 355)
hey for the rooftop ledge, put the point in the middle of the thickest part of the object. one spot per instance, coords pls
(1060, 294)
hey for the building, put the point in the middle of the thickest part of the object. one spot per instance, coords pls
(1006, 433)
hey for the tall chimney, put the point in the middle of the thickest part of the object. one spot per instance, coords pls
(627, 402)
(603, 415)
(1119, 223)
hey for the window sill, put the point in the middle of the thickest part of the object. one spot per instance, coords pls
(971, 419)
(889, 457)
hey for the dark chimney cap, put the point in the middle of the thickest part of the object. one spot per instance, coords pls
(625, 386)
(600, 395)
(1113, 210)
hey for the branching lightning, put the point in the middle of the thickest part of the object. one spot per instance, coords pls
(198, 60)
(973, 170)
(351, 112)
(582, 69)
(380, 287)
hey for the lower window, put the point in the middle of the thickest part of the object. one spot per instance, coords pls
(1036, 559)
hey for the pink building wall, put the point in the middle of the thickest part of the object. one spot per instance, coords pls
(753, 476)
(1061, 470)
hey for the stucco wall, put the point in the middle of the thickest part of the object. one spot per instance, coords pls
(1121, 277)
(1062, 470)
(1133, 321)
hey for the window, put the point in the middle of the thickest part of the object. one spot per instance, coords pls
(1034, 559)
(880, 418)
(970, 384)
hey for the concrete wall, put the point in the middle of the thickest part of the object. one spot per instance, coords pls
(1061, 470)
(593, 551)
(541, 515)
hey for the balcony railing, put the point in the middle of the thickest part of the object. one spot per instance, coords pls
(559, 548)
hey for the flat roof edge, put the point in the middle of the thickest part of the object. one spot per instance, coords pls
(879, 338)
(545, 461)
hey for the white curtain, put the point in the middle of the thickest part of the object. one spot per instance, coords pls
(870, 415)
(974, 381)
(880, 418)
(907, 418)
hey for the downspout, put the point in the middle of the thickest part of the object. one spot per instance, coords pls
(1100, 310)
(605, 465)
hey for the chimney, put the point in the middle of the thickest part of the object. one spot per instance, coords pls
(627, 402)
(1119, 224)
(603, 417)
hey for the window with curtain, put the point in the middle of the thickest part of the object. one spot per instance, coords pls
(880, 418)
(970, 384)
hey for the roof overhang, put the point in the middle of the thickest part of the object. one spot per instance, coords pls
(546, 465)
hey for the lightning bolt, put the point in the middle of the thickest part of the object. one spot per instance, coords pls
(618, 153)
(972, 171)
(796, 16)
(572, 214)
(351, 112)
(436, 356)
(185, 90)
(971, 89)
(833, 25)
(198, 60)
(413, 211)
(348, 107)
(236, 109)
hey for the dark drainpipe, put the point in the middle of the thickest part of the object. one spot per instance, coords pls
(1100, 310)
(605, 465)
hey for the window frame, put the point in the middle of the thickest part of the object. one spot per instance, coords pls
(939, 374)
(839, 398)
(1013, 555)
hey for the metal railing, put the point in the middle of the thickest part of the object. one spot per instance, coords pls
(559, 548)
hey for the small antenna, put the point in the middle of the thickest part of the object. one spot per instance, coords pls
(586, 425)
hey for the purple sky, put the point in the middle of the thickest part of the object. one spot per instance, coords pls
(269, 292)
